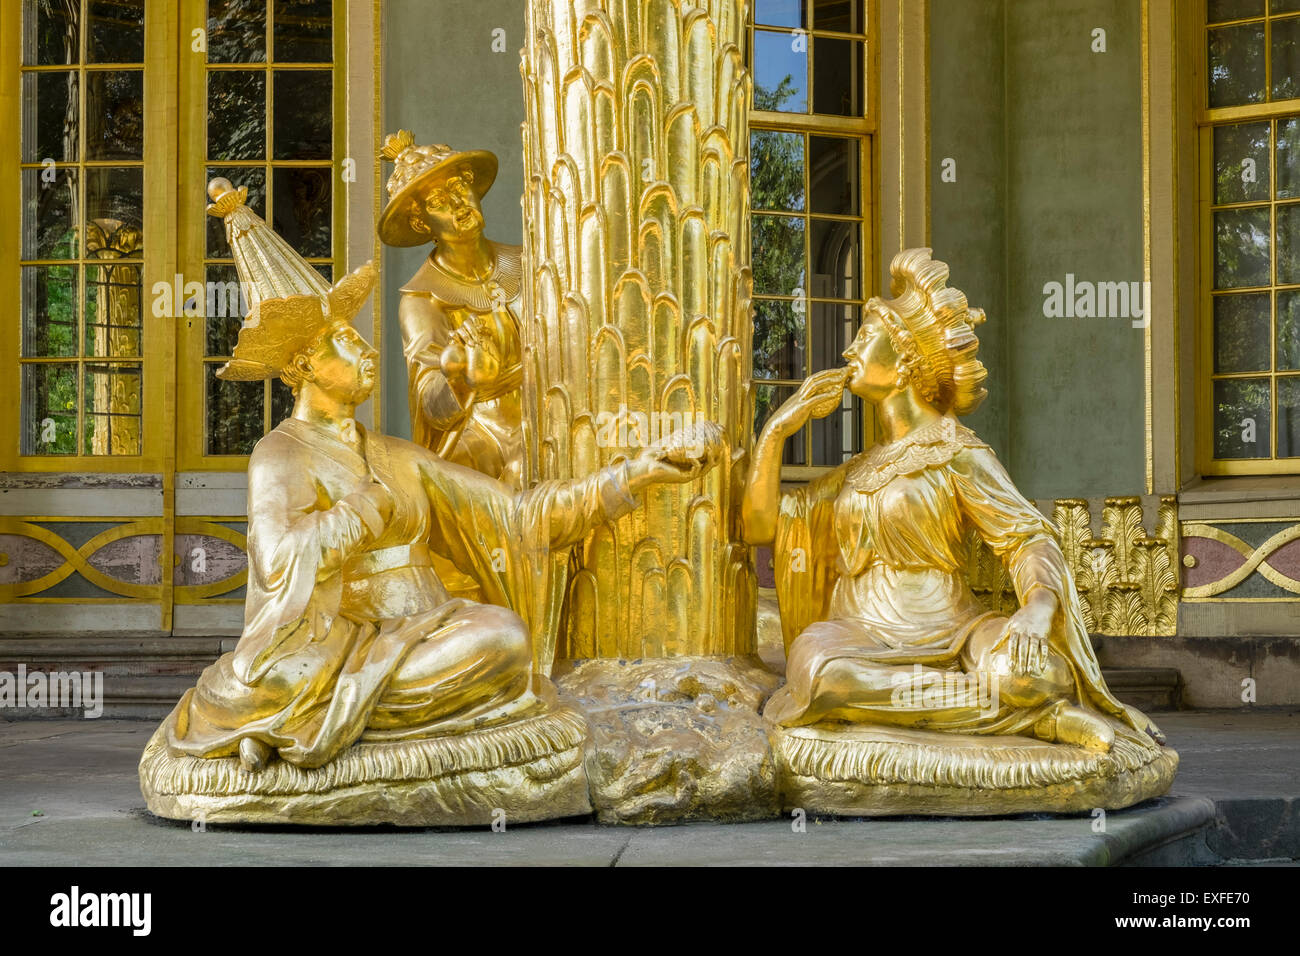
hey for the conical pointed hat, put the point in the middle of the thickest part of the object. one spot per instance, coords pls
(291, 304)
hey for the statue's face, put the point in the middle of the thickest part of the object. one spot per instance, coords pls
(873, 361)
(452, 209)
(344, 365)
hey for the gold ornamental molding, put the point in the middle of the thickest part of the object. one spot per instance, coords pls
(1127, 579)
(1256, 559)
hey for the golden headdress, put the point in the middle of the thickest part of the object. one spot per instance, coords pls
(291, 304)
(932, 328)
(417, 170)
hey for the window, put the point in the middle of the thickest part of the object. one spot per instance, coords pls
(124, 110)
(810, 164)
(82, 147)
(273, 125)
(1250, 149)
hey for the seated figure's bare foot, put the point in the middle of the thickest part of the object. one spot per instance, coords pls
(253, 754)
(1067, 724)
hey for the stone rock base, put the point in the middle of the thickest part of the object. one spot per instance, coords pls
(858, 770)
(675, 740)
(529, 769)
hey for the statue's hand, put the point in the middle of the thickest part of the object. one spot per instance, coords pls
(683, 455)
(1029, 634)
(473, 356)
(817, 397)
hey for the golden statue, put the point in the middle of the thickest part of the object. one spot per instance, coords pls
(460, 312)
(352, 646)
(880, 624)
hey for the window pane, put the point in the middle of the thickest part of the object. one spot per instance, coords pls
(236, 31)
(303, 114)
(1286, 58)
(1242, 333)
(255, 180)
(49, 214)
(778, 255)
(1288, 158)
(114, 311)
(779, 339)
(1242, 422)
(225, 309)
(834, 176)
(1288, 417)
(304, 31)
(839, 16)
(1237, 65)
(115, 114)
(780, 13)
(234, 414)
(837, 77)
(112, 419)
(236, 114)
(1241, 248)
(115, 195)
(49, 297)
(1241, 157)
(50, 109)
(49, 409)
(115, 31)
(1288, 330)
(838, 437)
(1288, 244)
(1221, 10)
(767, 399)
(51, 33)
(776, 170)
(302, 209)
(780, 72)
(834, 324)
(835, 259)
(1284, 6)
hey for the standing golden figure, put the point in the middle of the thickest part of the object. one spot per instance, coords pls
(880, 624)
(350, 637)
(460, 312)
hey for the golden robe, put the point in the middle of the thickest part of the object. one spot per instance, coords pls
(349, 634)
(433, 305)
(872, 584)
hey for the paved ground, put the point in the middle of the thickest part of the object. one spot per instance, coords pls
(68, 795)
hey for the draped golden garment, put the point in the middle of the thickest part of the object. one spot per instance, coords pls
(349, 633)
(871, 580)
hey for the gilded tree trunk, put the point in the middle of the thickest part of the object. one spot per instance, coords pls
(637, 301)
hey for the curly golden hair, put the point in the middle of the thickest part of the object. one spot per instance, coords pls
(932, 328)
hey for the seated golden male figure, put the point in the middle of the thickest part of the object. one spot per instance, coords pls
(349, 633)
(870, 558)
(460, 312)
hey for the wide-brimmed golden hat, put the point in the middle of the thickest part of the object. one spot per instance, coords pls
(290, 302)
(417, 170)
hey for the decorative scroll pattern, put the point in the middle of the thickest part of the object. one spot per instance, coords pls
(1277, 559)
(124, 560)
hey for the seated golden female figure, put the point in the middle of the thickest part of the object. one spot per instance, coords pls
(870, 558)
(349, 633)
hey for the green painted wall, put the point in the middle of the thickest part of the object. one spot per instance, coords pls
(1066, 408)
(444, 82)
(968, 215)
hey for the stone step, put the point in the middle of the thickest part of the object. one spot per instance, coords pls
(1146, 688)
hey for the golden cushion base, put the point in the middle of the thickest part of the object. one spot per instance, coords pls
(529, 769)
(862, 770)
